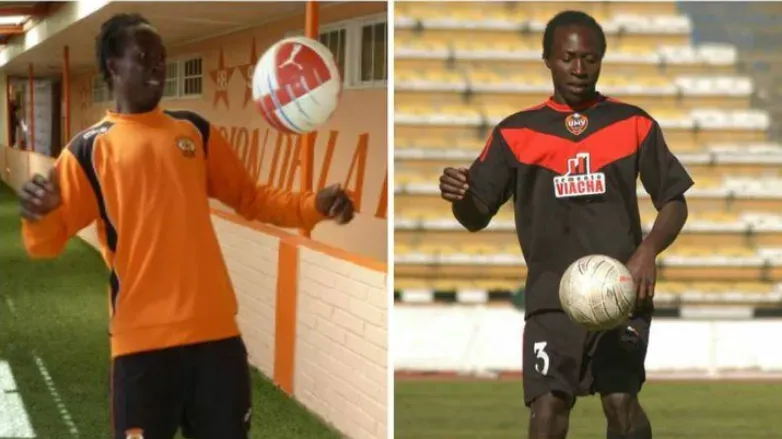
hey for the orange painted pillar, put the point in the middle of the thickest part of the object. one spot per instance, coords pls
(7, 170)
(307, 152)
(31, 125)
(66, 90)
(285, 315)
(9, 117)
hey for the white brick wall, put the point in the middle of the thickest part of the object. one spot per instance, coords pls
(341, 344)
(252, 259)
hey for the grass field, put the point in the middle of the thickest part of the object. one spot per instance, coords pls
(494, 410)
(53, 323)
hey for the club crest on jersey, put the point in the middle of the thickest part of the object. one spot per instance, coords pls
(187, 146)
(134, 433)
(576, 123)
(580, 180)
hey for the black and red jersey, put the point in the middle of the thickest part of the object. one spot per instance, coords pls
(572, 175)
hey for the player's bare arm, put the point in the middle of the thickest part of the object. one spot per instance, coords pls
(667, 226)
(471, 212)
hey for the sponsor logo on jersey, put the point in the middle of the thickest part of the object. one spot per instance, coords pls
(134, 433)
(187, 146)
(580, 180)
(576, 123)
(94, 132)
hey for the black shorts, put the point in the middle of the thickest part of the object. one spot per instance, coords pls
(560, 356)
(203, 388)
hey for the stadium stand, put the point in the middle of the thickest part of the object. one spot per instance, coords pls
(461, 67)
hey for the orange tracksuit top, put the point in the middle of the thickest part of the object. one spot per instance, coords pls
(147, 179)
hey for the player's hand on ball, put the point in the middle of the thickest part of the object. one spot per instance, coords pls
(642, 266)
(335, 203)
(40, 195)
(453, 184)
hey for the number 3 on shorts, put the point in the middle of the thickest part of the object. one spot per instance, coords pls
(539, 349)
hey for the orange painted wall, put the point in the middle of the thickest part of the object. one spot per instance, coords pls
(357, 132)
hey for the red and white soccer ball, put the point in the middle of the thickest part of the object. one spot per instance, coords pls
(296, 85)
(597, 292)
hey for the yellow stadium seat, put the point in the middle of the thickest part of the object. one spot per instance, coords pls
(672, 287)
(451, 284)
(401, 249)
(434, 142)
(752, 287)
(436, 248)
(410, 214)
(498, 284)
(504, 215)
(403, 75)
(711, 287)
(442, 76)
(401, 178)
(526, 78)
(689, 251)
(709, 182)
(413, 109)
(457, 110)
(717, 216)
(513, 249)
(480, 248)
(733, 251)
(423, 44)
(430, 214)
(500, 110)
(483, 76)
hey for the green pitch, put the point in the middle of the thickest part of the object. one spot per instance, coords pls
(495, 410)
(53, 339)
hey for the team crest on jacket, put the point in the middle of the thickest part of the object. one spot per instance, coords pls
(134, 433)
(187, 146)
(576, 123)
(580, 180)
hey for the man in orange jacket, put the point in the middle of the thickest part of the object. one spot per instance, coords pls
(145, 175)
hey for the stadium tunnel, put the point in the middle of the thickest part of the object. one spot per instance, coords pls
(51, 91)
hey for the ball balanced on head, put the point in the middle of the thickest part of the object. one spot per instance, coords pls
(296, 85)
(598, 292)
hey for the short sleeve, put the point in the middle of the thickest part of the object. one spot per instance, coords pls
(491, 175)
(662, 175)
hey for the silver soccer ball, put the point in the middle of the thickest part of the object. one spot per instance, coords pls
(597, 292)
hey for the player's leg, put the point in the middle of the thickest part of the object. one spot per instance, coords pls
(550, 416)
(219, 397)
(618, 368)
(146, 395)
(625, 417)
(552, 355)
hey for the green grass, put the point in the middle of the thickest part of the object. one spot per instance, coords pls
(495, 409)
(61, 315)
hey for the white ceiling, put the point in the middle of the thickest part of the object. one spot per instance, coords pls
(177, 22)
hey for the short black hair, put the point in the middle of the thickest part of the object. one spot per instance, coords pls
(113, 38)
(570, 18)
